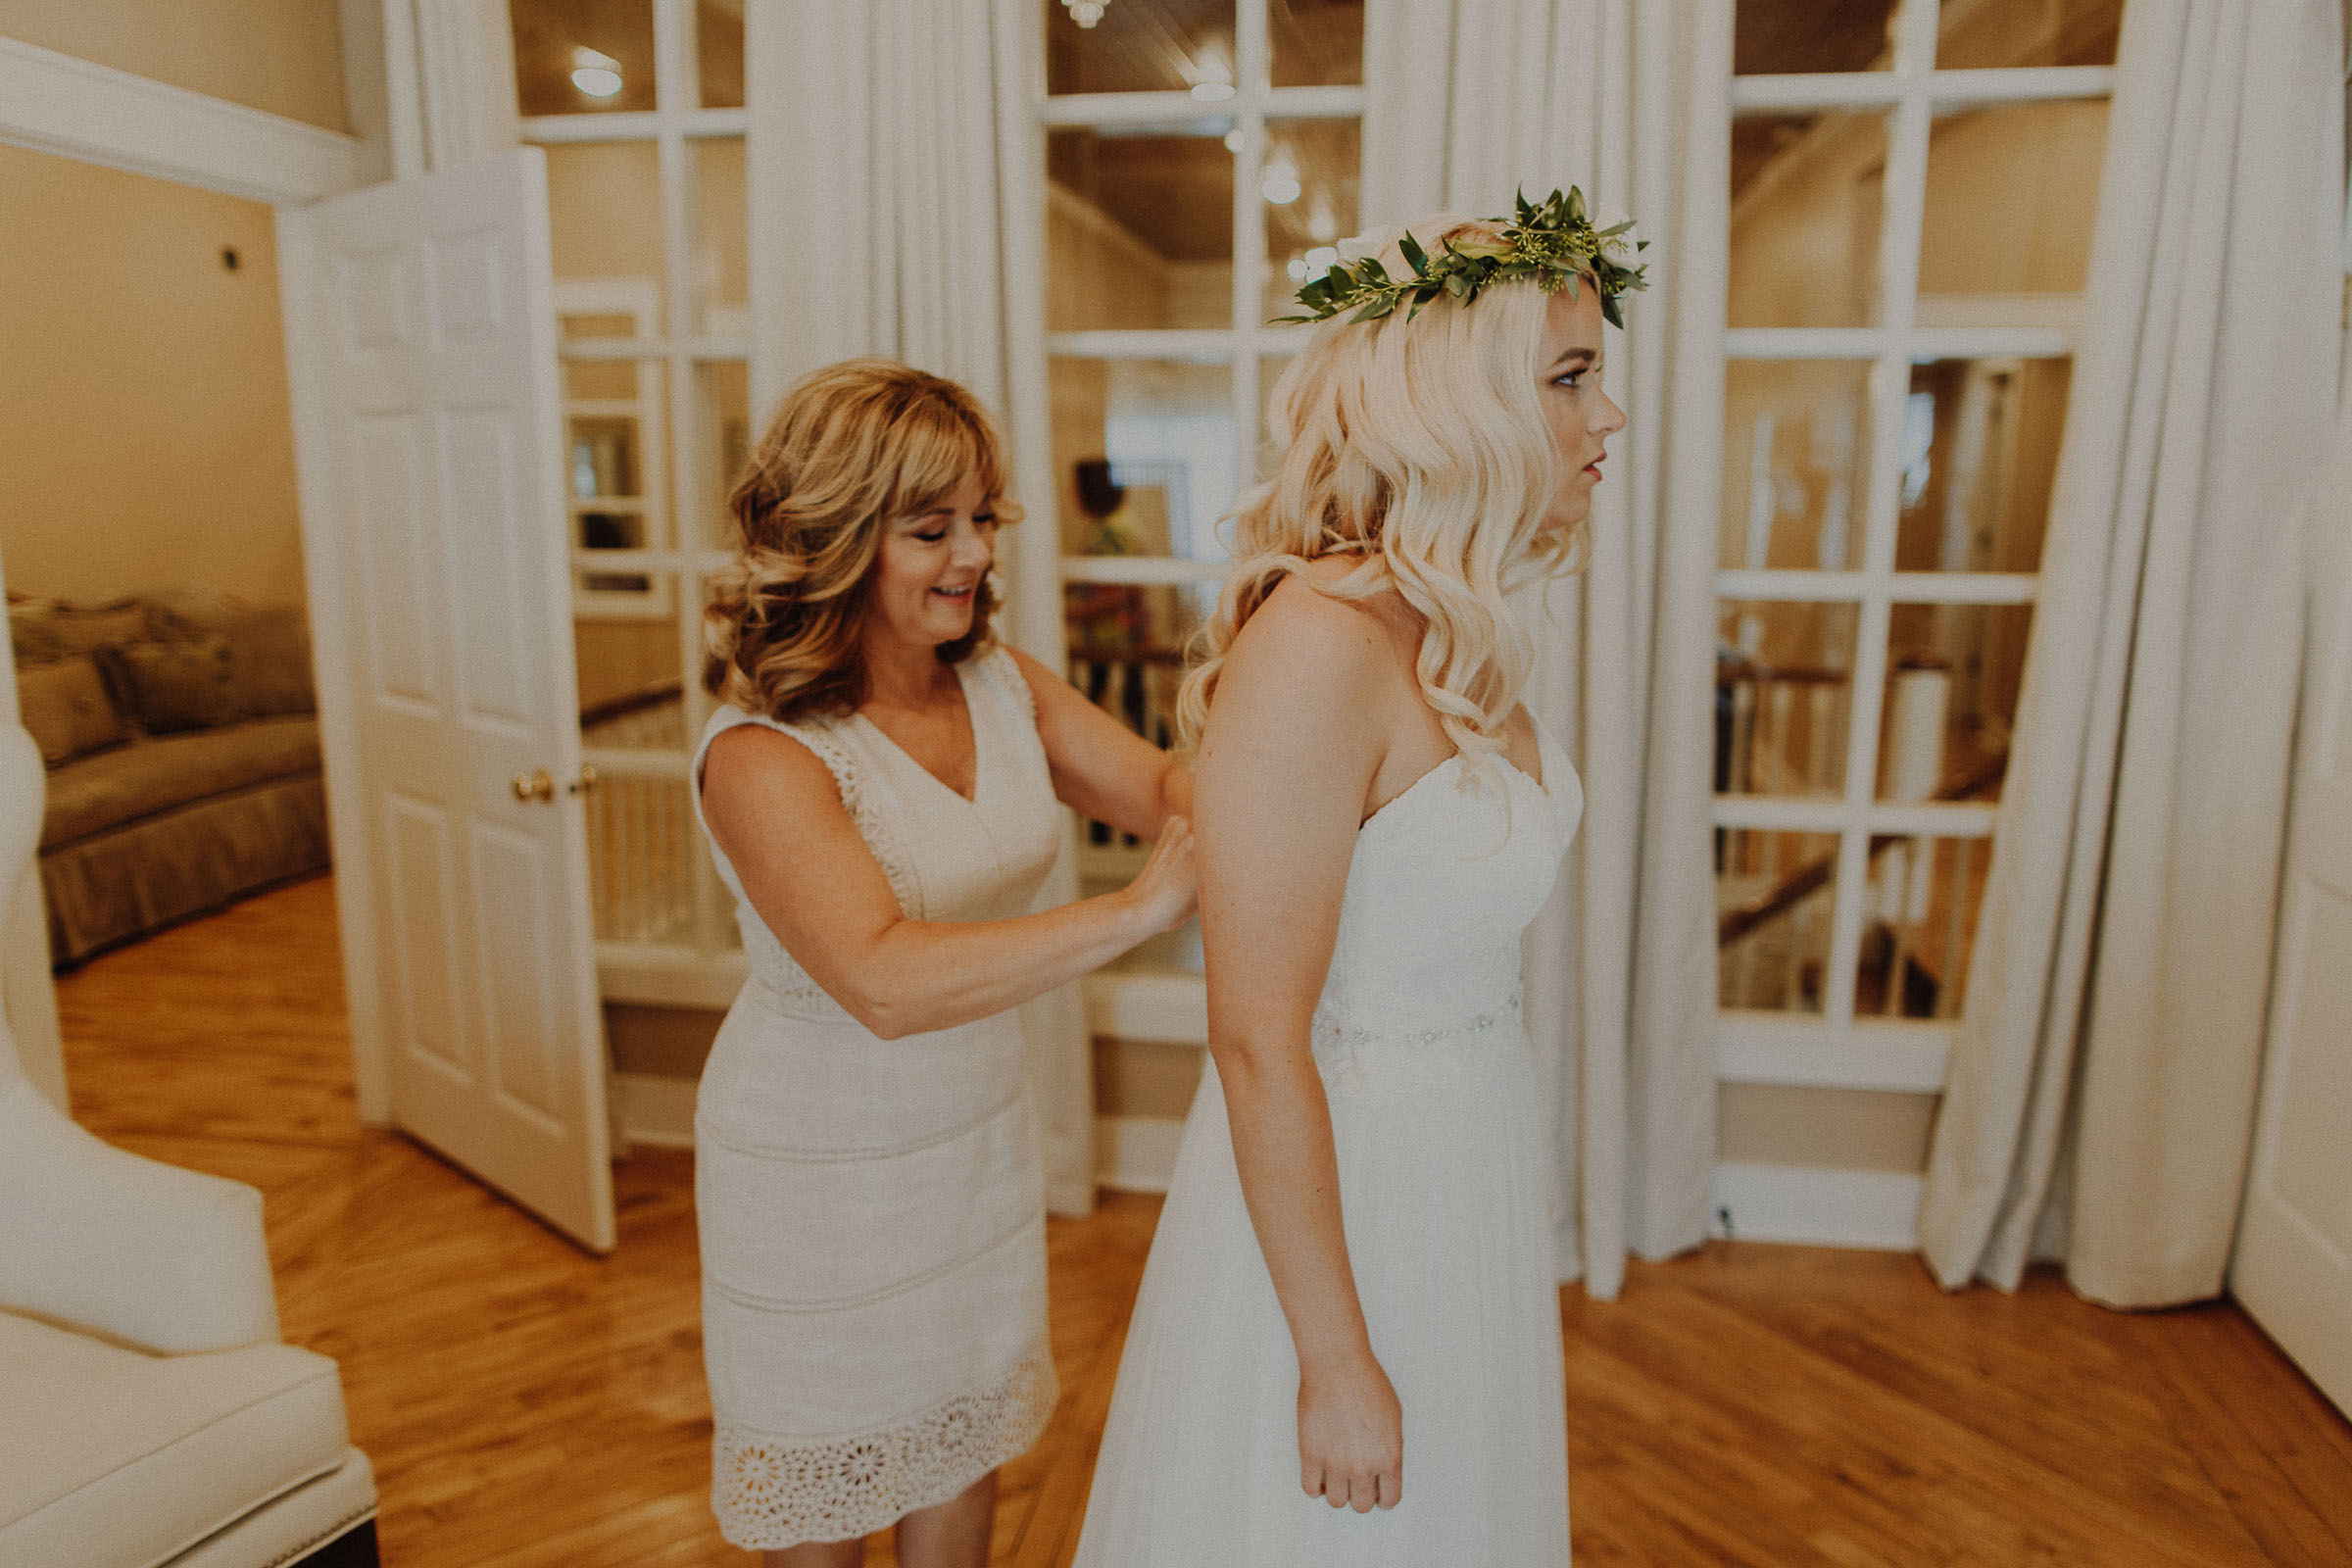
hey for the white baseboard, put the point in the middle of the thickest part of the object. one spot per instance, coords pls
(656, 1111)
(1136, 1154)
(1810, 1206)
(1817, 1206)
(1813, 1205)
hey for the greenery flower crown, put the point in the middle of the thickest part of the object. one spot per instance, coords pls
(1550, 241)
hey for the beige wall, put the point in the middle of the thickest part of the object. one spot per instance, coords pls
(282, 56)
(148, 440)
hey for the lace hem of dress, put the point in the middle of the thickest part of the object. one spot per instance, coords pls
(771, 1492)
(1384, 1065)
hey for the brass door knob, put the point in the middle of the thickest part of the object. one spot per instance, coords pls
(584, 783)
(536, 785)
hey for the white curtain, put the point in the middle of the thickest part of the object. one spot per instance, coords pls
(897, 187)
(1469, 100)
(2101, 1090)
(449, 75)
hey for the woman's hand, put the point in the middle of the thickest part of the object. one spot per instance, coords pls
(1168, 890)
(1350, 1435)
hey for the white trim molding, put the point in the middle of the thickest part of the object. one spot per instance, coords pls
(54, 102)
(1168, 1007)
(1810, 1206)
(1900, 1055)
(656, 1109)
(1136, 1154)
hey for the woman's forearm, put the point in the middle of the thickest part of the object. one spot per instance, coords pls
(1283, 1149)
(1175, 791)
(920, 975)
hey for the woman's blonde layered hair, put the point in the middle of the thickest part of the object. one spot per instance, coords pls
(1420, 448)
(850, 447)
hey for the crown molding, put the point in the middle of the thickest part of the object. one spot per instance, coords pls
(54, 102)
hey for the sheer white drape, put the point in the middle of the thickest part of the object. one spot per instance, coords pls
(896, 178)
(1469, 100)
(449, 74)
(2101, 1089)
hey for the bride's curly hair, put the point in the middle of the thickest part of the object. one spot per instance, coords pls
(1418, 447)
(850, 447)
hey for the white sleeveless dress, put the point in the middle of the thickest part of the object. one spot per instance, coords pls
(1444, 1196)
(872, 1211)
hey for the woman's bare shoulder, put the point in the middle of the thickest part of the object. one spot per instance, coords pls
(1301, 627)
(758, 767)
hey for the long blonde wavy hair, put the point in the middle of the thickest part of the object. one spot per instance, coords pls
(850, 447)
(1420, 447)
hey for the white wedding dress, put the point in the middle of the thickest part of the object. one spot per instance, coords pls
(1444, 1198)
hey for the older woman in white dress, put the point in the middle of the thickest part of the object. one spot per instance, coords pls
(879, 787)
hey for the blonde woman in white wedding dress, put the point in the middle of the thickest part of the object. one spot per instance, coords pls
(1346, 1347)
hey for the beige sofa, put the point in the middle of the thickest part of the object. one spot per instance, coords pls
(183, 746)
(148, 1413)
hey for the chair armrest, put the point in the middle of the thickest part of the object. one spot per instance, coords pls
(98, 1237)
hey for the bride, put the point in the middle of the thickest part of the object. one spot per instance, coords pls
(1346, 1348)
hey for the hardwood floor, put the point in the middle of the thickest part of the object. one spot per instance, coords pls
(1779, 1408)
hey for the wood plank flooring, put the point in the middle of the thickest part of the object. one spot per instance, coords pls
(1779, 1407)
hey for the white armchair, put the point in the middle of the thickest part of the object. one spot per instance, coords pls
(148, 1413)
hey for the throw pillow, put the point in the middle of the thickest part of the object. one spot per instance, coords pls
(64, 706)
(189, 615)
(86, 629)
(30, 636)
(271, 654)
(176, 686)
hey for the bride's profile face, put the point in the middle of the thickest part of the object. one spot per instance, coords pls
(1579, 414)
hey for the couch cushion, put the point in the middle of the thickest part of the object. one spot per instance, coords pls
(30, 637)
(65, 708)
(270, 649)
(81, 628)
(268, 646)
(319, 1511)
(115, 1459)
(115, 787)
(176, 686)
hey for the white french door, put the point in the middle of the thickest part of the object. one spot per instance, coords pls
(422, 328)
(2293, 1266)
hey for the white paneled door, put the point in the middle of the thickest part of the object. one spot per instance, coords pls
(2294, 1269)
(421, 337)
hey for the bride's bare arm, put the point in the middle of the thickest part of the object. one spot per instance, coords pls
(1280, 790)
(775, 810)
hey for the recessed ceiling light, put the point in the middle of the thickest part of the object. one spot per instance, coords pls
(593, 74)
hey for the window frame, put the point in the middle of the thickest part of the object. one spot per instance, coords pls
(1835, 1048)
(707, 968)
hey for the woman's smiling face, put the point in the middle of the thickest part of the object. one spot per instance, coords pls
(928, 571)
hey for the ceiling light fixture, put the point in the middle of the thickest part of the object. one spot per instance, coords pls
(1280, 185)
(1086, 12)
(596, 74)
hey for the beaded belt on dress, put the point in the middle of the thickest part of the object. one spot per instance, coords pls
(1377, 1065)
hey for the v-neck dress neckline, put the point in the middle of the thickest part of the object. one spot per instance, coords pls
(971, 722)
